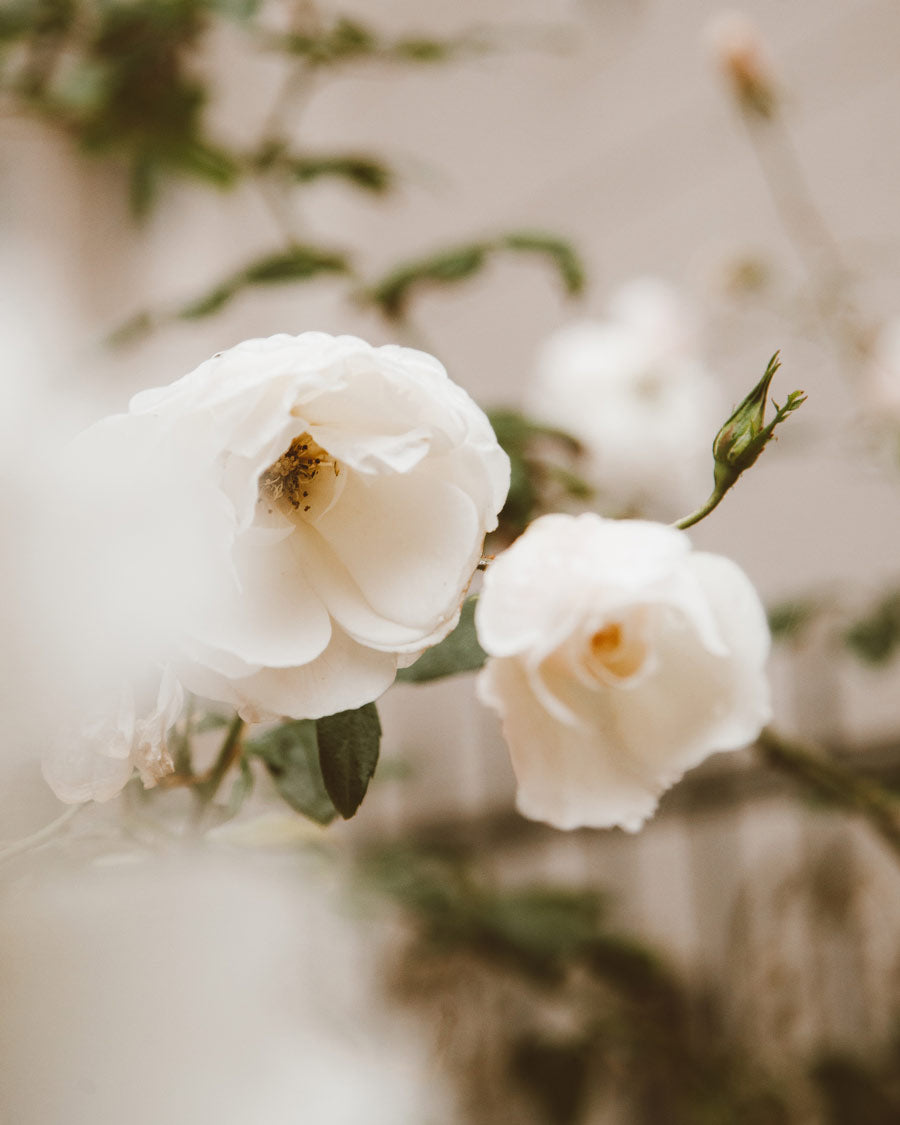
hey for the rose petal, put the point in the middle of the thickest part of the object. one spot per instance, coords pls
(274, 616)
(410, 544)
(344, 676)
(566, 776)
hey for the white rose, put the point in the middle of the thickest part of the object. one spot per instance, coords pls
(95, 762)
(631, 389)
(619, 659)
(356, 485)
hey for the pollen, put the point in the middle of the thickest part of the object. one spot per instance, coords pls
(291, 477)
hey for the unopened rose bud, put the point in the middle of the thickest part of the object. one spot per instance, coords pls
(741, 53)
(740, 440)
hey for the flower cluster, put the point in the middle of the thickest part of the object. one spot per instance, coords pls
(283, 527)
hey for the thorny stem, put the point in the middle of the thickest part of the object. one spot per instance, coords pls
(830, 779)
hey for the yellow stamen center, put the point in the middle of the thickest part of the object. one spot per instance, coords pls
(619, 654)
(291, 477)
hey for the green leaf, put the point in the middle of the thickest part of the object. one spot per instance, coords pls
(515, 430)
(876, 637)
(290, 753)
(394, 291)
(457, 652)
(362, 171)
(787, 620)
(561, 254)
(132, 330)
(424, 50)
(209, 303)
(348, 754)
(543, 921)
(205, 161)
(299, 264)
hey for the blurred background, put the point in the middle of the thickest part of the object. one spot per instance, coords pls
(179, 175)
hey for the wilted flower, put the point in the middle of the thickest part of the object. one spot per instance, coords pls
(619, 659)
(348, 491)
(631, 389)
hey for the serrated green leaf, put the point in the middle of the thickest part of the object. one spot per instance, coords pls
(348, 754)
(457, 652)
(290, 753)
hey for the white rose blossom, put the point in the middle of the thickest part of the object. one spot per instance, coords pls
(353, 489)
(95, 762)
(631, 388)
(618, 659)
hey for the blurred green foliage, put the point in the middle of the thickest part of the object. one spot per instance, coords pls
(458, 652)
(544, 470)
(125, 78)
(393, 293)
(630, 1022)
(874, 638)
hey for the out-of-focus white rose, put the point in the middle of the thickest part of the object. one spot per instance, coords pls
(619, 659)
(882, 385)
(631, 389)
(197, 988)
(346, 491)
(94, 762)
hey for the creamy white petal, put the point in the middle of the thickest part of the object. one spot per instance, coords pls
(344, 676)
(273, 616)
(347, 605)
(567, 776)
(409, 543)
